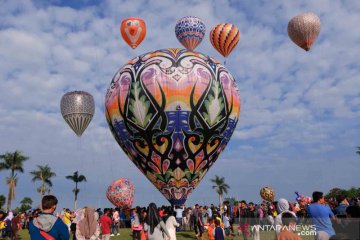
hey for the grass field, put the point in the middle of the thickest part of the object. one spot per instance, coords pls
(125, 234)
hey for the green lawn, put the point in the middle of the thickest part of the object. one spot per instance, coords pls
(125, 235)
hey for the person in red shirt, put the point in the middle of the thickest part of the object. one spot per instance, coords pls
(105, 224)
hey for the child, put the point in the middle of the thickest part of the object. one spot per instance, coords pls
(210, 229)
(289, 223)
(218, 232)
(136, 225)
(226, 221)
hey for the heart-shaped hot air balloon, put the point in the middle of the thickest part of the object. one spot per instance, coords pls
(121, 193)
(304, 29)
(190, 32)
(173, 111)
(133, 31)
(224, 38)
(267, 193)
(77, 108)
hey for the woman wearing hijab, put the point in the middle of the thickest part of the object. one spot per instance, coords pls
(88, 227)
(16, 225)
(171, 223)
(282, 207)
(154, 225)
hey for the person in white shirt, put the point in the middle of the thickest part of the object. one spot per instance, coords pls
(115, 223)
(209, 212)
(283, 206)
(171, 224)
(179, 214)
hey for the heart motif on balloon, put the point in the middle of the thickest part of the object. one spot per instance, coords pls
(173, 111)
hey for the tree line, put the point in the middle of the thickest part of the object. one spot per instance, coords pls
(13, 162)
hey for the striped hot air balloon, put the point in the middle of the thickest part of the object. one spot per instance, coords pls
(77, 108)
(303, 29)
(190, 31)
(224, 38)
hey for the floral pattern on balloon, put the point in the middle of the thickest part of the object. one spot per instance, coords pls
(121, 193)
(173, 111)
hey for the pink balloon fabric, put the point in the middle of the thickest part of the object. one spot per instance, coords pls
(121, 193)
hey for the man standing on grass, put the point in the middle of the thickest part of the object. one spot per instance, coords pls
(46, 225)
(243, 220)
(105, 224)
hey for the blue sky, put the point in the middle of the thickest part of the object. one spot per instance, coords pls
(299, 124)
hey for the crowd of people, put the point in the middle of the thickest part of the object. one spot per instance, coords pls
(328, 219)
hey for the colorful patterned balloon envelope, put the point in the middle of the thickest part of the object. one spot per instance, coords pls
(190, 32)
(224, 38)
(304, 29)
(300, 198)
(121, 193)
(173, 111)
(267, 193)
(133, 31)
(77, 108)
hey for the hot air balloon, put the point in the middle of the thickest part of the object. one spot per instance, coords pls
(121, 193)
(267, 193)
(190, 32)
(303, 29)
(77, 108)
(224, 38)
(301, 199)
(173, 111)
(133, 31)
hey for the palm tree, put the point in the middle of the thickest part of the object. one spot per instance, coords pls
(77, 179)
(14, 163)
(220, 187)
(44, 175)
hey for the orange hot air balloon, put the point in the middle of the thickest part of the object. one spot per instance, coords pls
(224, 38)
(304, 29)
(133, 31)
